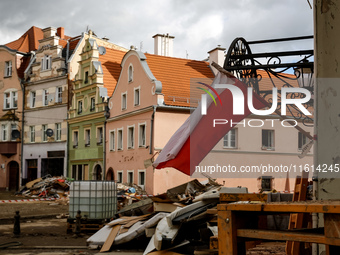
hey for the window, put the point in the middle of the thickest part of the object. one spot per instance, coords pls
(120, 176)
(120, 139)
(86, 80)
(78, 172)
(268, 139)
(112, 140)
(130, 73)
(80, 107)
(45, 97)
(124, 98)
(266, 183)
(8, 68)
(229, 140)
(10, 100)
(130, 177)
(58, 131)
(93, 104)
(75, 139)
(46, 62)
(141, 178)
(4, 132)
(13, 128)
(44, 135)
(32, 134)
(87, 137)
(100, 135)
(137, 99)
(32, 98)
(302, 141)
(59, 95)
(141, 135)
(131, 138)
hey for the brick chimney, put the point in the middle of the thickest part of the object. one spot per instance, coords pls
(216, 55)
(164, 45)
(60, 32)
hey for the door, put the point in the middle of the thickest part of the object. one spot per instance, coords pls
(13, 175)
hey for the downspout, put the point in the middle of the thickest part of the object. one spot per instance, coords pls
(152, 129)
(107, 115)
(22, 129)
(68, 107)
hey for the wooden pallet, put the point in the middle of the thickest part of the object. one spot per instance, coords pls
(85, 226)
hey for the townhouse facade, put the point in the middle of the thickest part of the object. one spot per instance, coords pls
(14, 58)
(46, 106)
(99, 68)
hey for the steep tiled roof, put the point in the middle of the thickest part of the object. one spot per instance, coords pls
(111, 67)
(29, 41)
(176, 75)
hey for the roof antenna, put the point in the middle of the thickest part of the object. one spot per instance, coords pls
(141, 46)
(186, 54)
(87, 28)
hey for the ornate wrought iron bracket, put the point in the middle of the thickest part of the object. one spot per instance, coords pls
(280, 69)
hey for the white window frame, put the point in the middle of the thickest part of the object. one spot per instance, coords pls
(44, 127)
(33, 97)
(136, 100)
(112, 140)
(120, 145)
(45, 97)
(130, 73)
(270, 139)
(32, 134)
(75, 138)
(227, 139)
(131, 140)
(58, 131)
(128, 175)
(11, 99)
(124, 101)
(140, 144)
(13, 127)
(139, 180)
(8, 68)
(100, 135)
(59, 94)
(4, 132)
(46, 63)
(122, 175)
(87, 138)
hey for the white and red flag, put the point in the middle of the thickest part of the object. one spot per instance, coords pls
(198, 135)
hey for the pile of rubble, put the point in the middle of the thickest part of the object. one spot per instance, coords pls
(46, 187)
(184, 218)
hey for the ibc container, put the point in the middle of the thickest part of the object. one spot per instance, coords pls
(95, 199)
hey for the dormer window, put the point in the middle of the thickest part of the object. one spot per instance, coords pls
(46, 62)
(130, 73)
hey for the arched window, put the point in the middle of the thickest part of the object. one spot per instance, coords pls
(130, 73)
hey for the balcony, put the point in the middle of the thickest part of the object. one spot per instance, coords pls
(8, 148)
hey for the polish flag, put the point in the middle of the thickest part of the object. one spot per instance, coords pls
(198, 136)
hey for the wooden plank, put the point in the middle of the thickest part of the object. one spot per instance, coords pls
(227, 238)
(212, 211)
(287, 236)
(285, 207)
(213, 244)
(234, 197)
(332, 225)
(110, 239)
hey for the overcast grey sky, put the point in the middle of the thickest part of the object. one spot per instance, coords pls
(198, 25)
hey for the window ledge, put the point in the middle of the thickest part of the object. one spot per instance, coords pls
(268, 149)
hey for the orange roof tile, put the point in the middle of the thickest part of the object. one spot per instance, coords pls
(110, 62)
(176, 75)
(29, 41)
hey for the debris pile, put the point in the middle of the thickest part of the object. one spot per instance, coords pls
(46, 187)
(182, 219)
(128, 194)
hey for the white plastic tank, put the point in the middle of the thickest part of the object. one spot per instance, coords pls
(95, 199)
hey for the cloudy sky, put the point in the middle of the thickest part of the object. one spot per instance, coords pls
(198, 25)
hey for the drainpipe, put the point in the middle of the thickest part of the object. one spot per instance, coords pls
(152, 129)
(22, 130)
(107, 115)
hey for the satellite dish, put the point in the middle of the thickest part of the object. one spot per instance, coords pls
(49, 132)
(15, 134)
(101, 50)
